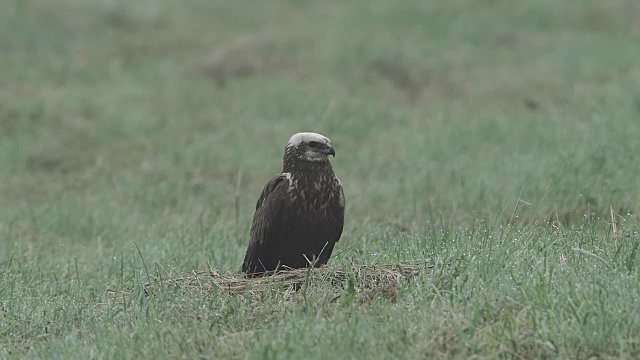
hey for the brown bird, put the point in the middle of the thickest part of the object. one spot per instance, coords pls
(300, 213)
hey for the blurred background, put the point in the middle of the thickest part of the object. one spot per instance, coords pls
(158, 122)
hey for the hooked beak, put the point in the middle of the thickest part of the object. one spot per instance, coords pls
(329, 151)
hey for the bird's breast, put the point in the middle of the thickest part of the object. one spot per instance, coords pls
(315, 198)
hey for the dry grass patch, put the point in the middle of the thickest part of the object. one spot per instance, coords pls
(372, 280)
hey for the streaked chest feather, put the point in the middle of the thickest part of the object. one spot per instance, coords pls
(315, 195)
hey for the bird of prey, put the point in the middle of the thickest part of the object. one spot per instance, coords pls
(300, 213)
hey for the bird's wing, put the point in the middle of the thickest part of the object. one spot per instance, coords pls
(264, 226)
(339, 215)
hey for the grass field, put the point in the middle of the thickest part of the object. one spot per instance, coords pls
(497, 140)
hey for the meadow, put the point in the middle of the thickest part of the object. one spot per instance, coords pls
(494, 140)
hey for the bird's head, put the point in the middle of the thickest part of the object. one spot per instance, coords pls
(310, 146)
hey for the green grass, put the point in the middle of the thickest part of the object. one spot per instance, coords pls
(495, 139)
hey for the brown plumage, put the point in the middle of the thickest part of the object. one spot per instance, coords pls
(300, 213)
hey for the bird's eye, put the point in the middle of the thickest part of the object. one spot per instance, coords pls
(313, 144)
